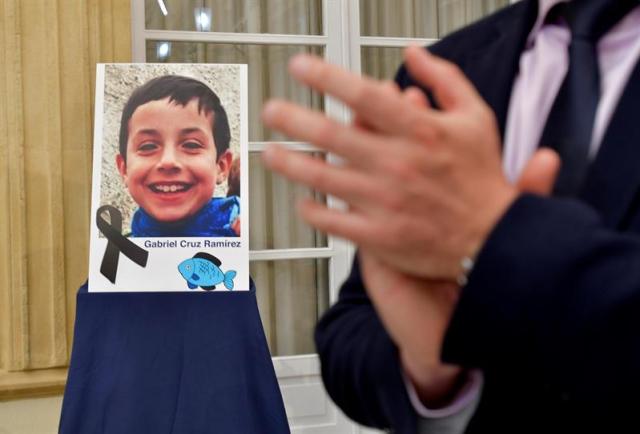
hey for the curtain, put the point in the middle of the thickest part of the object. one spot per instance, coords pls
(48, 51)
(413, 19)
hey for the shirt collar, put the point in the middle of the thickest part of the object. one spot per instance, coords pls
(544, 6)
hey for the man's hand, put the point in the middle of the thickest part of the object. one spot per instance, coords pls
(416, 312)
(425, 187)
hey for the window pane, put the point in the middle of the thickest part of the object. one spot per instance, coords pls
(421, 18)
(454, 14)
(291, 297)
(303, 17)
(381, 62)
(268, 76)
(274, 223)
(399, 18)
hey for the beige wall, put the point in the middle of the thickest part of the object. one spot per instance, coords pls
(48, 52)
(30, 416)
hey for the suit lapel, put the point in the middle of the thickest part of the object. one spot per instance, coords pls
(614, 177)
(493, 66)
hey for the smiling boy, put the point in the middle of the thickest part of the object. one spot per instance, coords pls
(173, 151)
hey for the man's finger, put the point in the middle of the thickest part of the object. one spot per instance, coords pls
(412, 94)
(447, 82)
(377, 105)
(348, 225)
(354, 144)
(416, 96)
(359, 122)
(539, 176)
(352, 186)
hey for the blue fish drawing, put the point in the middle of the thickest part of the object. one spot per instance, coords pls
(203, 270)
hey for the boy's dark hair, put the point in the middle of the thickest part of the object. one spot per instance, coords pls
(180, 90)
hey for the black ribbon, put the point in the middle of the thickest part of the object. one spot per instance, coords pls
(117, 243)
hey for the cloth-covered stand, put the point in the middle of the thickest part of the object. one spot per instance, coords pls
(171, 363)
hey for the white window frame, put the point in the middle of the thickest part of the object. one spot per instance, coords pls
(342, 43)
(338, 252)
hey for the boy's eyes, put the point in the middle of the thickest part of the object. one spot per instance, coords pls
(147, 147)
(192, 145)
(151, 147)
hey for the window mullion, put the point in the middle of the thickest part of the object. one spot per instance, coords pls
(291, 254)
(234, 38)
(384, 41)
(295, 146)
(354, 36)
(138, 41)
(337, 29)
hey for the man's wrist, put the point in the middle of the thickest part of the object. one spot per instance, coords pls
(495, 209)
(462, 405)
(436, 385)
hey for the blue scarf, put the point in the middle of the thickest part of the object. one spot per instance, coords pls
(213, 220)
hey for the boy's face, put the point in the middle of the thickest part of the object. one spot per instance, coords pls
(172, 166)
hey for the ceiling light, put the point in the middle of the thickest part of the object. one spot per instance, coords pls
(203, 19)
(163, 50)
(163, 8)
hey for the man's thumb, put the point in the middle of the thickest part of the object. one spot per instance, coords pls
(540, 174)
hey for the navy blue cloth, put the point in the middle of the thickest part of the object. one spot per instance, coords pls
(213, 220)
(170, 363)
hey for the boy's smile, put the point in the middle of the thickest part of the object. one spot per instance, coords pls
(172, 167)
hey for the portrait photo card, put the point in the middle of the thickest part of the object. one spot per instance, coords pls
(169, 203)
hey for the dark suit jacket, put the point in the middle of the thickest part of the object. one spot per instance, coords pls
(551, 313)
